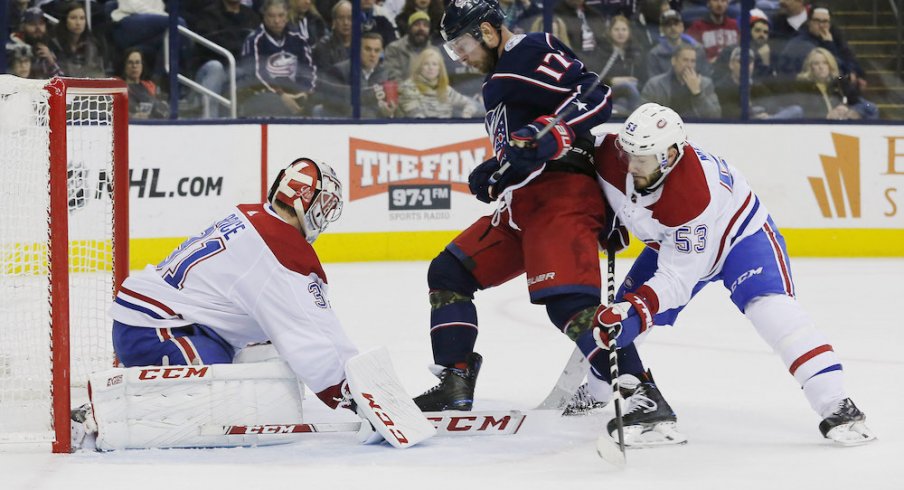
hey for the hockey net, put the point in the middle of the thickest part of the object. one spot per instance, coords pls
(63, 247)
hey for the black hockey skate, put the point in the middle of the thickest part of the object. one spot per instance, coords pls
(846, 425)
(455, 390)
(648, 420)
(583, 403)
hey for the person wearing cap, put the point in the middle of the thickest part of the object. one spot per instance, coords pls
(659, 59)
(33, 32)
(433, 8)
(763, 65)
(18, 57)
(716, 31)
(399, 53)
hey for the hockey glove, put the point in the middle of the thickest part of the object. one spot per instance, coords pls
(623, 321)
(526, 149)
(479, 180)
(614, 233)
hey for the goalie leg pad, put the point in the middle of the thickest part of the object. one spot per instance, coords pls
(169, 406)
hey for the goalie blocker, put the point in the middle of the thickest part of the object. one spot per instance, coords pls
(175, 406)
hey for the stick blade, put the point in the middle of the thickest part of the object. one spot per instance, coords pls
(609, 451)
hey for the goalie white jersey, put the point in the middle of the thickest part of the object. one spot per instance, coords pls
(694, 220)
(250, 277)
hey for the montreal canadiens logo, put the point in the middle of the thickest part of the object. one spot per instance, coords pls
(661, 123)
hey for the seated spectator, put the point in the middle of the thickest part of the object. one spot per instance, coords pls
(823, 94)
(517, 11)
(728, 90)
(716, 31)
(819, 33)
(371, 22)
(305, 17)
(586, 29)
(334, 47)
(18, 59)
(140, 23)
(763, 65)
(143, 100)
(786, 23)
(659, 59)
(78, 53)
(399, 53)
(33, 32)
(379, 95)
(426, 93)
(690, 94)
(625, 68)
(280, 61)
(434, 10)
(227, 23)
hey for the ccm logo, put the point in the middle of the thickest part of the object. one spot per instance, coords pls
(172, 373)
(471, 423)
(384, 418)
(265, 429)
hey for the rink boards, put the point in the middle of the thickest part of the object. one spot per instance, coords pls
(834, 190)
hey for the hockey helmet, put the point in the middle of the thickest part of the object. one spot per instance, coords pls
(650, 131)
(313, 190)
(460, 25)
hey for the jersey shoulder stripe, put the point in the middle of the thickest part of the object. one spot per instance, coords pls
(685, 194)
(288, 244)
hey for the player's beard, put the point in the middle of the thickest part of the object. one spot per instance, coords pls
(644, 184)
(488, 64)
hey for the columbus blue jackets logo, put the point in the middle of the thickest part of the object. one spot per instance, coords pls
(282, 65)
(497, 125)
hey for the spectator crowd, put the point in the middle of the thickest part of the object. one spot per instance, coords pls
(293, 56)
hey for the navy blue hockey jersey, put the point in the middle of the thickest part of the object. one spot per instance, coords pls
(281, 65)
(537, 75)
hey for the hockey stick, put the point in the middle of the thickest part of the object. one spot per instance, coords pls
(605, 446)
(567, 384)
(546, 129)
(449, 423)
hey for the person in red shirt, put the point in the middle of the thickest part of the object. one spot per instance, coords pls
(716, 31)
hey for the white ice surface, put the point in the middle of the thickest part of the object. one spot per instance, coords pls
(748, 423)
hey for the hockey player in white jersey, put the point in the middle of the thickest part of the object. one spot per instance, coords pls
(250, 278)
(702, 223)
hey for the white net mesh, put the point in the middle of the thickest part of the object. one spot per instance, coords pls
(25, 307)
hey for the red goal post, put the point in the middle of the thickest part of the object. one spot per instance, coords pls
(63, 247)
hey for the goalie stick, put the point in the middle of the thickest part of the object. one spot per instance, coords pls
(567, 384)
(605, 446)
(449, 423)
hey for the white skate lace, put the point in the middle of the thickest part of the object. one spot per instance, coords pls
(638, 401)
(505, 200)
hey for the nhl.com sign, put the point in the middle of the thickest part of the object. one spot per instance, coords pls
(414, 179)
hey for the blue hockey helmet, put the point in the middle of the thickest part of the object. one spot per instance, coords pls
(461, 21)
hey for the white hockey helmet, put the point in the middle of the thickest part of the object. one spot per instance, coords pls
(651, 130)
(313, 190)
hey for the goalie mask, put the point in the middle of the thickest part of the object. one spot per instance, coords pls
(312, 189)
(645, 139)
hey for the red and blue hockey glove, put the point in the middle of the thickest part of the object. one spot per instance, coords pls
(526, 149)
(479, 180)
(623, 321)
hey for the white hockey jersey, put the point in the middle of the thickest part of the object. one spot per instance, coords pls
(704, 208)
(250, 277)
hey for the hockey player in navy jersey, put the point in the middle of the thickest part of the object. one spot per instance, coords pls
(550, 212)
(703, 223)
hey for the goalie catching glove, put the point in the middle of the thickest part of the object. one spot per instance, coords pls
(526, 149)
(624, 320)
